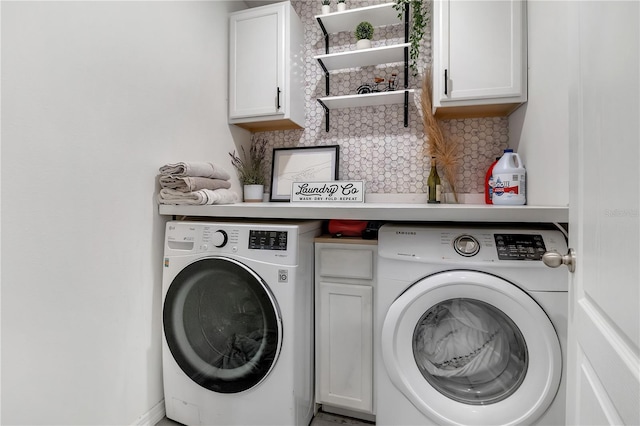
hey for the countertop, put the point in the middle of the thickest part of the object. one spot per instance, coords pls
(376, 211)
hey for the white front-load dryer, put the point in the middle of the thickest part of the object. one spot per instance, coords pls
(237, 322)
(471, 326)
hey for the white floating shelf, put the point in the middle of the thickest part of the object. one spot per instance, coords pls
(369, 99)
(364, 57)
(378, 15)
(377, 211)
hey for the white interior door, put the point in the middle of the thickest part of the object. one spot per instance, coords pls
(604, 323)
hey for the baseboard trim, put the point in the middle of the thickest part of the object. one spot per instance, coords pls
(348, 413)
(153, 416)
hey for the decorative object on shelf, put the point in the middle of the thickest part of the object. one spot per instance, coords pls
(342, 6)
(391, 82)
(343, 191)
(253, 193)
(378, 85)
(326, 6)
(195, 183)
(419, 21)
(443, 149)
(433, 183)
(251, 170)
(364, 34)
(308, 164)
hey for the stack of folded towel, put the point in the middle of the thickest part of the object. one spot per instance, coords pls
(195, 183)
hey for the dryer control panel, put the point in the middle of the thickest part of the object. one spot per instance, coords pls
(432, 243)
(520, 246)
(508, 246)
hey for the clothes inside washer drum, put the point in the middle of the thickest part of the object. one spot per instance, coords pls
(241, 350)
(460, 339)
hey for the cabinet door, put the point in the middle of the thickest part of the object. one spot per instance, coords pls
(480, 50)
(344, 345)
(256, 58)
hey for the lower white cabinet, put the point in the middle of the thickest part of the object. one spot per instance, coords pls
(345, 278)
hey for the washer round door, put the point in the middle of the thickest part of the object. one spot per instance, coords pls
(222, 325)
(470, 348)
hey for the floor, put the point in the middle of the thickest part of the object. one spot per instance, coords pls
(322, 419)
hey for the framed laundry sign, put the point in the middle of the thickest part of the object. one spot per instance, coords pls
(341, 191)
(308, 164)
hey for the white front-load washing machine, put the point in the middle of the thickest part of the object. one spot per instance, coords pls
(237, 322)
(471, 326)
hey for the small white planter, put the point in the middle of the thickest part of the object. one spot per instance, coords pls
(253, 193)
(363, 44)
(342, 7)
(326, 9)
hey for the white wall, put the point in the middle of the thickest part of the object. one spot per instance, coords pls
(539, 130)
(96, 96)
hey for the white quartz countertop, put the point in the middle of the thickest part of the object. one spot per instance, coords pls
(376, 211)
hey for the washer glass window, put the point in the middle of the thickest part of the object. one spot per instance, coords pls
(470, 351)
(222, 325)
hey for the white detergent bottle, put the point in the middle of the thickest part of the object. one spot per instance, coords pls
(509, 176)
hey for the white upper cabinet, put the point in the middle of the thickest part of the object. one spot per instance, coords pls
(479, 57)
(266, 68)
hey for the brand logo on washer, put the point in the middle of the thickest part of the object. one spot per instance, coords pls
(406, 233)
(283, 276)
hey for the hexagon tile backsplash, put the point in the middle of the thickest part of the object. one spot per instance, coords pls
(374, 144)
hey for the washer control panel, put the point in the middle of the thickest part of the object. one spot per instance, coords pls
(267, 239)
(275, 242)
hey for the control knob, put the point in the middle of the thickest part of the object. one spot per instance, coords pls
(220, 238)
(466, 245)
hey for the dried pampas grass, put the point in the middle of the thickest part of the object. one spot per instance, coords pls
(445, 150)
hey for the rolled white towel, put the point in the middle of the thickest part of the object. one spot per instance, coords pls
(200, 197)
(200, 169)
(189, 183)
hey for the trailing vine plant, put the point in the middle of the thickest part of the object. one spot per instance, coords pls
(419, 20)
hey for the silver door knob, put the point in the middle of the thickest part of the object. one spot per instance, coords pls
(553, 259)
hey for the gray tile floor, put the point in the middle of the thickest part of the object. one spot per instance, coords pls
(167, 422)
(326, 419)
(322, 419)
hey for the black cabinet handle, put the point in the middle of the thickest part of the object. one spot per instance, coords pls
(445, 81)
(278, 101)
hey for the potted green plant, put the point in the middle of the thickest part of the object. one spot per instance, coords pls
(364, 34)
(326, 6)
(252, 170)
(342, 6)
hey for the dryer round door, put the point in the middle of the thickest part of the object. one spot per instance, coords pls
(469, 348)
(222, 325)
